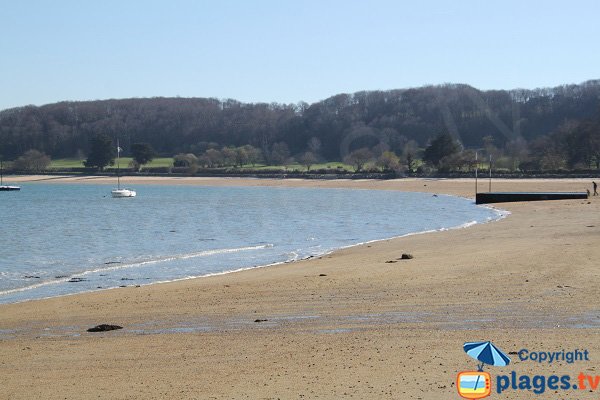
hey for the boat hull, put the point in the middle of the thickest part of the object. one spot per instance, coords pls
(7, 188)
(118, 193)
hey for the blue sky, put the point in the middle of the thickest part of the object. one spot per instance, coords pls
(287, 51)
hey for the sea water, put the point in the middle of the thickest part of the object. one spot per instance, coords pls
(59, 239)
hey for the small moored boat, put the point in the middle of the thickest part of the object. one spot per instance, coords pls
(3, 187)
(121, 192)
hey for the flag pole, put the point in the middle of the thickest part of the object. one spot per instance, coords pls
(476, 165)
(490, 173)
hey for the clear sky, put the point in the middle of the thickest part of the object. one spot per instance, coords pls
(287, 51)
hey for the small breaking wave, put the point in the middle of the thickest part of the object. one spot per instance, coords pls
(116, 267)
(461, 226)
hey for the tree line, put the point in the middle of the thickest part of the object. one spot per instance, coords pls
(539, 129)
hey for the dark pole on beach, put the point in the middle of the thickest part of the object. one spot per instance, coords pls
(490, 173)
(476, 165)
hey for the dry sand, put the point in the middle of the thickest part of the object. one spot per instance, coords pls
(367, 329)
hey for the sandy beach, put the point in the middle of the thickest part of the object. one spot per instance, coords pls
(358, 323)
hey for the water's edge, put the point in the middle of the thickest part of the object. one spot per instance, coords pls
(500, 214)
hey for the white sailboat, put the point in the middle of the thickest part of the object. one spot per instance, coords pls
(121, 192)
(3, 187)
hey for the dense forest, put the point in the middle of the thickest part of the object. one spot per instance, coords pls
(513, 122)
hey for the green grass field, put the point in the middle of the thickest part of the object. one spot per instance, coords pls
(65, 163)
(298, 167)
(124, 162)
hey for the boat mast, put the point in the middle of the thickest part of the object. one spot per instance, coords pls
(118, 170)
(476, 165)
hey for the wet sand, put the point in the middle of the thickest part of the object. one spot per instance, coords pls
(358, 323)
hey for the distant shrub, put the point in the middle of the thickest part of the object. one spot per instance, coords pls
(32, 161)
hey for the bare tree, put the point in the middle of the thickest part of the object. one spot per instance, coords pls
(358, 158)
(211, 158)
(308, 159)
(280, 153)
(32, 160)
(229, 156)
(241, 156)
(186, 160)
(388, 161)
(254, 155)
(409, 155)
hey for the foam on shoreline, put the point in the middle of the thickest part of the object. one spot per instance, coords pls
(501, 214)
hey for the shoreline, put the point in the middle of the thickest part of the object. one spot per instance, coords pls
(355, 322)
(446, 186)
(500, 214)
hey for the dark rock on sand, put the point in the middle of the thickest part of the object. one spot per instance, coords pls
(260, 320)
(406, 256)
(104, 328)
(322, 274)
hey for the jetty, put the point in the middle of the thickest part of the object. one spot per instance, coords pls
(506, 197)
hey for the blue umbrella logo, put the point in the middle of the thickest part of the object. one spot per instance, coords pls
(486, 353)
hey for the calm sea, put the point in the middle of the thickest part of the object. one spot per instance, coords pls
(59, 239)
